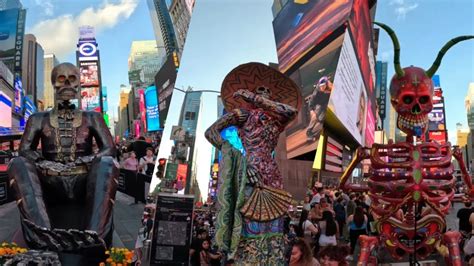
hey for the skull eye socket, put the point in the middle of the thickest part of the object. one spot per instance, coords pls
(424, 99)
(407, 99)
(72, 78)
(61, 78)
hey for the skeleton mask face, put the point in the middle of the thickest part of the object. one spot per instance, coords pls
(65, 78)
(264, 92)
(412, 99)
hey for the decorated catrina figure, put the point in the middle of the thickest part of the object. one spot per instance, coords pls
(411, 185)
(65, 192)
(260, 101)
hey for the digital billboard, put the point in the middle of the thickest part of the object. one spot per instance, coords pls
(87, 50)
(299, 27)
(89, 73)
(86, 32)
(8, 29)
(5, 110)
(29, 108)
(181, 175)
(349, 98)
(152, 113)
(142, 108)
(18, 87)
(438, 136)
(164, 81)
(90, 99)
(105, 104)
(315, 78)
(436, 118)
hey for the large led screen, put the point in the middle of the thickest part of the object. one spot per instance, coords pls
(349, 97)
(90, 99)
(300, 27)
(5, 110)
(164, 81)
(8, 28)
(152, 113)
(89, 73)
(315, 78)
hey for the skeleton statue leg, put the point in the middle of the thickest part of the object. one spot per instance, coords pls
(26, 184)
(102, 180)
(367, 244)
(451, 240)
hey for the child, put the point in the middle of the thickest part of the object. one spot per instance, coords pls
(205, 255)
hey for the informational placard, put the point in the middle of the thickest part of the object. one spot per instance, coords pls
(172, 229)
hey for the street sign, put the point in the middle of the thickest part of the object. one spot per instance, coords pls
(171, 170)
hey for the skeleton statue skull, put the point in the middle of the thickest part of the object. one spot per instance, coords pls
(411, 97)
(264, 92)
(66, 81)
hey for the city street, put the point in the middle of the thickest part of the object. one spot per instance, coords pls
(126, 221)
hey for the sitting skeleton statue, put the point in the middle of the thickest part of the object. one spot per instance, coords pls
(415, 178)
(66, 174)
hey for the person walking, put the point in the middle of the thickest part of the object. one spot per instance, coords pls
(329, 230)
(131, 163)
(357, 223)
(340, 215)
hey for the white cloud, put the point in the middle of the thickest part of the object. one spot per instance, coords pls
(402, 7)
(47, 6)
(59, 35)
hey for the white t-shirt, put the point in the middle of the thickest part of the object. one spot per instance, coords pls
(471, 221)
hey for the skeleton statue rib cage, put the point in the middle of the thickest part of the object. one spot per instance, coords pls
(411, 185)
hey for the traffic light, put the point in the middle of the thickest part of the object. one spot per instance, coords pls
(160, 173)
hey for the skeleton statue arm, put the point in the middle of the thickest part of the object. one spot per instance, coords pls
(457, 154)
(31, 138)
(102, 137)
(234, 118)
(283, 110)
(361, 155)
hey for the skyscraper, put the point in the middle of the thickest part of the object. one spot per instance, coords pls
(190, 111)
(145, 57)
(181, 15)
(50, 61)
(32, 72)
(163, 25)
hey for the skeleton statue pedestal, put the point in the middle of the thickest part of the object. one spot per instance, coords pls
(65, 192)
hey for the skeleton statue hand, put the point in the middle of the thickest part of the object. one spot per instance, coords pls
(53, 166)
(85, 159)
(253, 176)
(245, 94)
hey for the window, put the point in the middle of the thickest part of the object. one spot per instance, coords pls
(190, 116)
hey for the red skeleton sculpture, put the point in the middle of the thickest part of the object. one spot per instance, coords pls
(415, 178)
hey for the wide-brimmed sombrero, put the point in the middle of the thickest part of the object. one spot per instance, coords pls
(251, 76)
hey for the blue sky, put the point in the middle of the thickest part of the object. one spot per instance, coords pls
(423, 27)
(118, 23)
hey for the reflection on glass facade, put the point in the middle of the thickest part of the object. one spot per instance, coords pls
(190, 112)
(39, 77)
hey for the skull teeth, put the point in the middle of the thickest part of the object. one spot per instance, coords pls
(410, 122)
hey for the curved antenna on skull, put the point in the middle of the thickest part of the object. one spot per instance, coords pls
(396, 46)
(432, 70)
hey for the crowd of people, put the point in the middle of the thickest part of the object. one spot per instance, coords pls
(203, 252)
(329, 220)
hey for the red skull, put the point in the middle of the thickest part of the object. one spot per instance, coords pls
(411, 97)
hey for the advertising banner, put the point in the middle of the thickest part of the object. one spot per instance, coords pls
(299, 27)
(87, 51)
(172, 229)
(105, 102)
(349, 98)
(20, 32)
(164, 81)
(5, 110)
(90, 99)
(89, 73)
(8, 30)
(6, 74)
(18, 87)
(29, 108)
(438, 136)
(86, 32)
(436, 118)
(181, 175)
(134, 77)
(152, 113)
(142, 108)
(315, 78)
